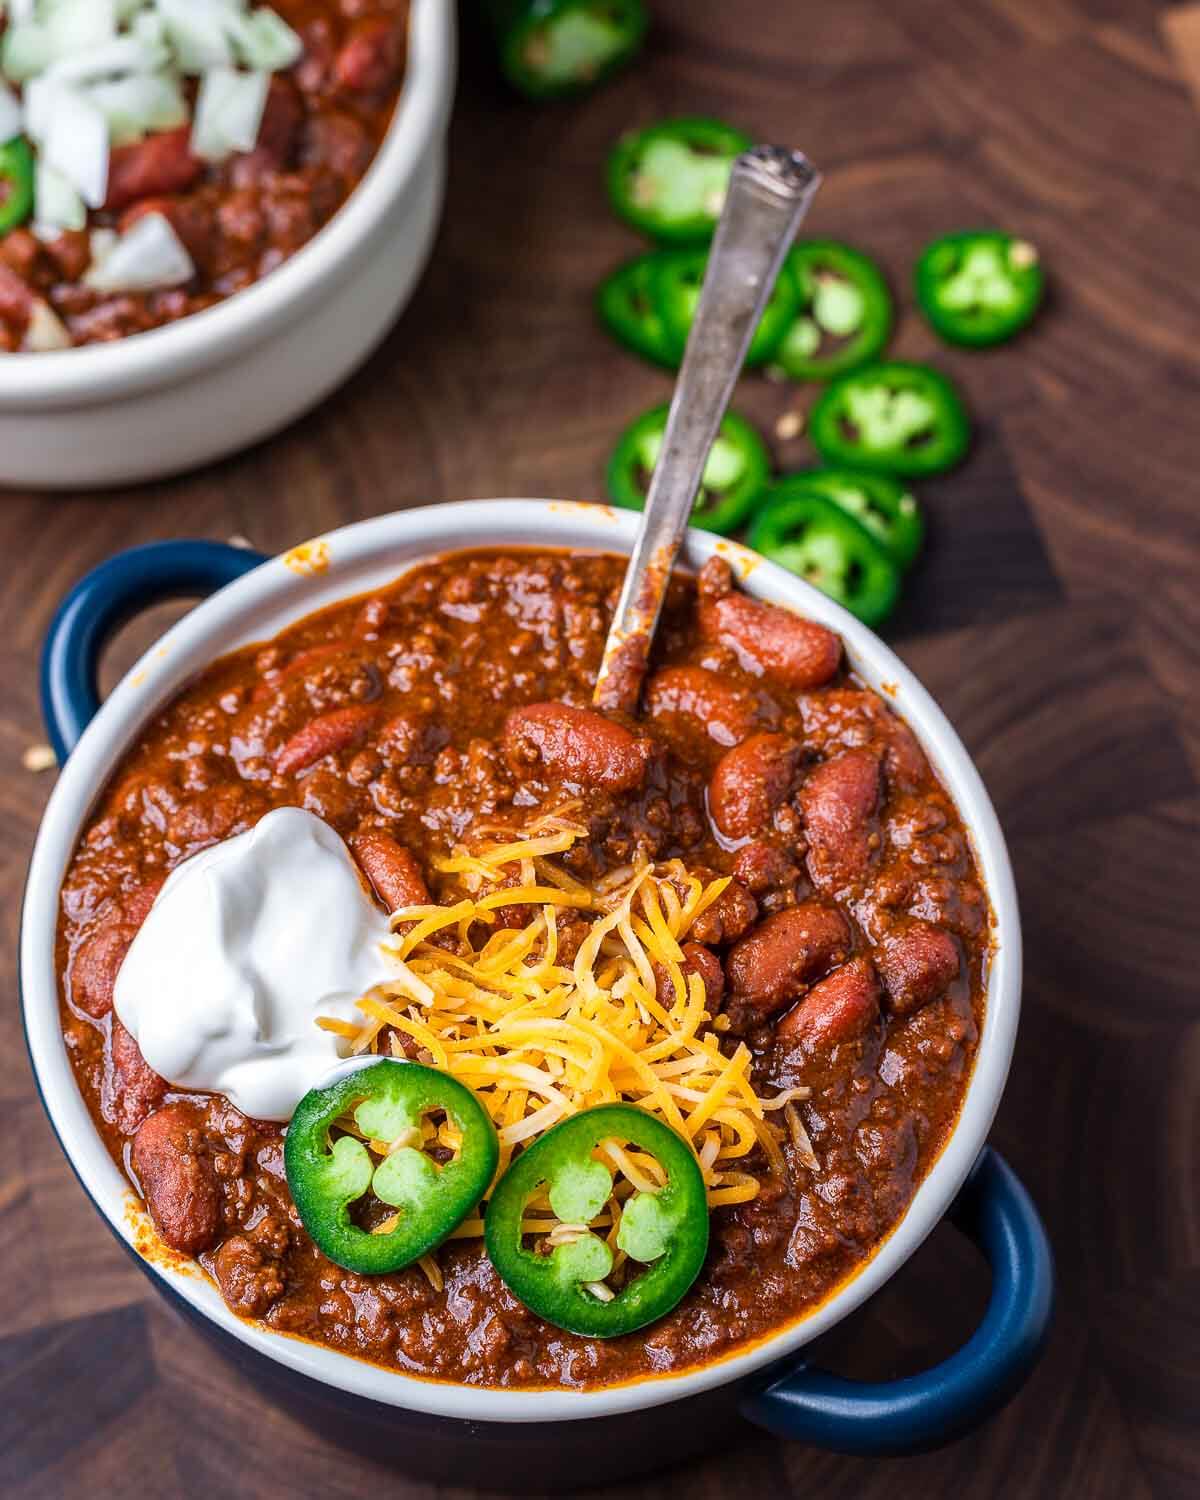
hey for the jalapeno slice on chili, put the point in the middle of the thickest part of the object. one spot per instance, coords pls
(382, 1113)
(979, 287)
(900, 418)
(845, 313)
(880, 504)
(669, 180)
(811, 537)
(550, 48)
(563, 1277)
(737, 469)
(676, 277)
(626, 307)
(16, 183)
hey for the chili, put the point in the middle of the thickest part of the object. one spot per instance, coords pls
(550, 48)
(901, 418)
(665, 1231)
(669, 180)
(836, 970)
(737, 468)
(979, 287)
(845, 314)
(328, 1176)
(817, 540)
(881, 504)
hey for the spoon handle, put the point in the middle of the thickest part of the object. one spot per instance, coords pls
(770, 189)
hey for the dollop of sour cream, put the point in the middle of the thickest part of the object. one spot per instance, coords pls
(246, 945)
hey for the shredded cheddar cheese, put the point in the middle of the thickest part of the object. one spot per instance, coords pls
(538, 1038)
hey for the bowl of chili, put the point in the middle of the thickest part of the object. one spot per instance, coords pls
(639, 1415)
(146, 392)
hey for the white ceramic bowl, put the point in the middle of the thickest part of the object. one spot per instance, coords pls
(364, 557)
(165, 401)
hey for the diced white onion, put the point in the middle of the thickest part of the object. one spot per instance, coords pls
(45, 330)
(265, 41)
(197, 33)
(76, 142)
(102, 243)
(56, 204)
(79, 25)
(229, 111)
(122, 55)
(148, 256)
(27, 51)
(11, 116)
(138, 104)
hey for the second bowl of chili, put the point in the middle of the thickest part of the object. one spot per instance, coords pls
(166, 381)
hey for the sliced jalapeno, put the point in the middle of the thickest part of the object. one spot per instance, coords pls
(845, 313)
(16, 183)
(549, 48)
(737, 469)
(901, 418)
(880, 504)
(362, 1139)
(811, 537)
(676, 278)
(669, 180)
(627, 309)
(565, 1277)
(979, 287)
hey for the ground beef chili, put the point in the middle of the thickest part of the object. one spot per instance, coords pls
(239, 220)
(850, 950)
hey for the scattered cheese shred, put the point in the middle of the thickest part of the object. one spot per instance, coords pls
(539, 1039)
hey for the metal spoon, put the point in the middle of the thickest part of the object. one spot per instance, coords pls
(770, 189)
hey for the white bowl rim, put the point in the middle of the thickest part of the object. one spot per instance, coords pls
(95, 373)
(363, 556)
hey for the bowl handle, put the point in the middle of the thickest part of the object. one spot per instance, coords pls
(923, 1411)
(102, 601)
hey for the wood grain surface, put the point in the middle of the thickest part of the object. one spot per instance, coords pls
(1056, 618)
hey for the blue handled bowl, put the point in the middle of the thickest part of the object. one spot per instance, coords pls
(496, 1437)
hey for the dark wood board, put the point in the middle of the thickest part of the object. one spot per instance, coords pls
(1056, 618)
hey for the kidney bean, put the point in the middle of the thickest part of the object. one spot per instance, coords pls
(391, 869)
(770, 641)
(325, 735)
(370, 56)
(162, 163)
(786, 952)
(178, 1182)
(836, 1010)
(95, 963)
(728, 714)
(283, 115)
(16, 301)
(838, 802)
(851, 719)
(136, 1087)
(575, 745)
(749, 783)
(763, 867)
(917, 963)
(730, 915)
(697, 959)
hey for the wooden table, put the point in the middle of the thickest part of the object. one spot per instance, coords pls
(1056, 618)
